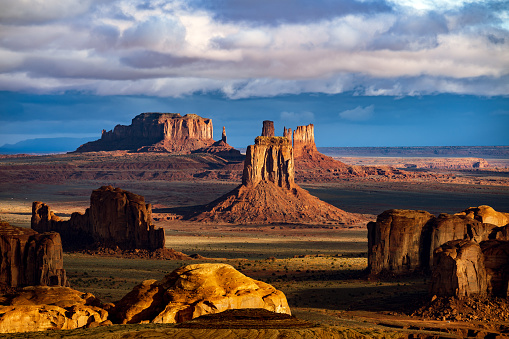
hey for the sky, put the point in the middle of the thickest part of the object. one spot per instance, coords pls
(364, 72)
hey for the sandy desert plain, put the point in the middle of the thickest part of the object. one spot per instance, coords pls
(321, 269)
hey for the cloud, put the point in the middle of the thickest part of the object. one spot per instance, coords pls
(359, 113)
(255, 49)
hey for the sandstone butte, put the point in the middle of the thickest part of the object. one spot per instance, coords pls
(467, 253)
(268, 193)
(195, 290)
(30, 258)
(116, 218)
(156, 132)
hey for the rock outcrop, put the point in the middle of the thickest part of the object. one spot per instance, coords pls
(268, 128)
(221, 149)
(49, 308)
(268, 193)
(395, 241)
(403, 241)
(486, 214)
(496, 261)
(116, 218)
(304, 141)
(28, 258)
(458, 270)
(195, 290)
(156, 132)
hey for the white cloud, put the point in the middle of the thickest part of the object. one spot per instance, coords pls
(96, 45)
(358, 113)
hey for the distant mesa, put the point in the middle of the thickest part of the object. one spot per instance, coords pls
(221, 149)
(268, 193)
(116, 218)
(161, 132)
(29, 258)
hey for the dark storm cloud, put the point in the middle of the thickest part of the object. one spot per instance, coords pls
(288, 11)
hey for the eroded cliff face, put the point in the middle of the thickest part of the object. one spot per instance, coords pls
(29, 258)
(304, 141)
(115, 218)
(270, 159)
(156, 132)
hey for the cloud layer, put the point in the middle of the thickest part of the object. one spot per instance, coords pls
(174, 48)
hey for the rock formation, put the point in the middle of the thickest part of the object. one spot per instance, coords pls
(28, 258)
(49, 308)
(304, 141)
(486, 214)
(496, 261)
(394, 241)
(458, 270)
(221, 149)
(268, 193)
(156, 132)
(268, 128)
(115, 218)
(195, 290)
(403, 241)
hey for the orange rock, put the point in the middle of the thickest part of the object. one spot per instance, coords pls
(195, 290)
(486, 214)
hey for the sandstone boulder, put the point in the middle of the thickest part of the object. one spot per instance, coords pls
(496, 260)
(115, 218)
(486, 214)
(49, 308)
(459, 270)
(396, 242)
(29, 258)
(195, 290)
(156, 132)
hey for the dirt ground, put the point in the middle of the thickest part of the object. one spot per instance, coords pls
(321, 269)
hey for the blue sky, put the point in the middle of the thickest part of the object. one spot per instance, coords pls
(365, 72)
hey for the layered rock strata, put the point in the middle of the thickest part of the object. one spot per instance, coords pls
(116, 218)
(268, 193)
(156, 132)
(195, 290)
(28, 258)
(50, 308)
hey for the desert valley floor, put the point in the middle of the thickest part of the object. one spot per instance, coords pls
(319, 268)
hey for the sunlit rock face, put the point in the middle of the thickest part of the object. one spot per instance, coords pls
(156, 132)
(194, 290)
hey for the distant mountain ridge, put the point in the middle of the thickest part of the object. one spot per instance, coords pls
(44, 145)
(420, 151)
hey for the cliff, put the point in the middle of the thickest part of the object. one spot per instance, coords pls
(28, 258)
(115, 218)
(156, 132)
(268, 193)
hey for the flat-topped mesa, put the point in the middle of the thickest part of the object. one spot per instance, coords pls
(304, 140)
(270, 159)
(268, 128)
(156, 132)
(29, 258)
(116, 218)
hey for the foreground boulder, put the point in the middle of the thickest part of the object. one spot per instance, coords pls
(394, 241)
(268, 193)
(49, 308)
(156, 132)
(458, 270)
(29, 258)
(195, 290)
(116, 218)
(404, 241)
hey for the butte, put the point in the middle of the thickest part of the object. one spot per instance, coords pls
(269, 194)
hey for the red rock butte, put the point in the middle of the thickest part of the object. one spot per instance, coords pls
(268, 193)
(156, 132)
